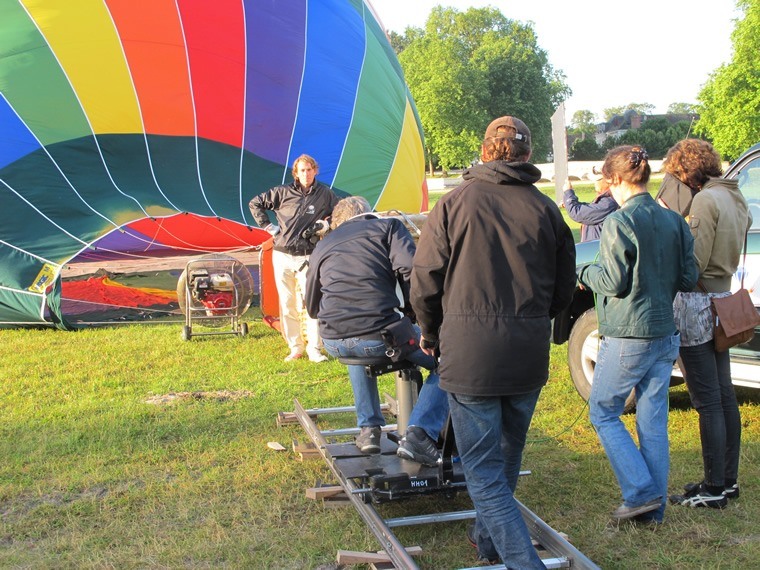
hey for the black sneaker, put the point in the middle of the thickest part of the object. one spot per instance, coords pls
(417, 446)
(732, 492)
(368, 440)
(697, 495)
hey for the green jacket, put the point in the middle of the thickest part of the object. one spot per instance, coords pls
(646, 255)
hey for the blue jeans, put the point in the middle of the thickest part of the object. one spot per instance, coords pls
(708, 378)
(643, 365)
(430, 411)
(490, 434)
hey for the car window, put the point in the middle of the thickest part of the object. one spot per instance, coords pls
(749, 183)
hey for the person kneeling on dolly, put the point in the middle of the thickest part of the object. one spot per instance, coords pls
(356, 285)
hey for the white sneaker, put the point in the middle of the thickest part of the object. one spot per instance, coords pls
(295, 354)
(316, 355)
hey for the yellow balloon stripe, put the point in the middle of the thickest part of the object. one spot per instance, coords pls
(84, 41)
(403, 190)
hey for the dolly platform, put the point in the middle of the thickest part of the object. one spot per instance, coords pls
(368, 480)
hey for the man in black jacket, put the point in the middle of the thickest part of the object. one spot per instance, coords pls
(298, 207)
(495, 263)
(354, 287)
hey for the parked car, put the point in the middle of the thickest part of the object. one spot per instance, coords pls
(577, 325)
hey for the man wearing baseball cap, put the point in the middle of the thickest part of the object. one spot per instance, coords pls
(495, 263)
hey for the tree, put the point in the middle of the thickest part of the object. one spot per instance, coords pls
(612, 112)
(656, 135)
(729, 103)
(440, 81)
(681, 109)
(583, 123)
(400, 42)
(586, 149)
(467, 68)
(639, 108)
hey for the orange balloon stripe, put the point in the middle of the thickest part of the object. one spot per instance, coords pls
(151, 35)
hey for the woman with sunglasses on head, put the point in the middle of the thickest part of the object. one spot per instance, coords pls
(645, 257)
(719, 219)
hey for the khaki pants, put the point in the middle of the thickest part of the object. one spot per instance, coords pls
(297, 327)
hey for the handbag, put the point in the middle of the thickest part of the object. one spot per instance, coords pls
(734, 320)
(734, 317)
(400, 338)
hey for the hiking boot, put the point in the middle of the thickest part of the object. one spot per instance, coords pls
(623, 512)
(647, 520)
(368, 440)
(492, 558)
(696, 495)
(417, 446)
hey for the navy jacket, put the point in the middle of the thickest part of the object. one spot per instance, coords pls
(591, 215)
(353, 285)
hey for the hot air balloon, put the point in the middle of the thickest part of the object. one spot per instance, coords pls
(127, 127)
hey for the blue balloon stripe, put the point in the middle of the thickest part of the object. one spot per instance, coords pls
(275, 59)
(330, 84)
(17, 141)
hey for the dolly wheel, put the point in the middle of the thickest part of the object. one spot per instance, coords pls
(187, 332)
(243, 329)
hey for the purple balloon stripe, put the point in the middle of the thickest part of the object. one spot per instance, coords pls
(275, 59)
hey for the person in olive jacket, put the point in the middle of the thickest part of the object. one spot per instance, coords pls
(646, 256)
(495, 263)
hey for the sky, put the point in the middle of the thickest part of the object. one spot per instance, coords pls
(612, 53)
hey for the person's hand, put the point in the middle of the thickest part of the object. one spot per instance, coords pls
(568, 185)
(428, 347)
(272, 229)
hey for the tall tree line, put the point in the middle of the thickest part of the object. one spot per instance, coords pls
(466, 68)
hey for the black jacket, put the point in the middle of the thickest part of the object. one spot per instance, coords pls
(494, 264)
(352, 285)
(295, 211)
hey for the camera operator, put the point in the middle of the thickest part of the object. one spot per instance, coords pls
(354, 287)
(298, 207)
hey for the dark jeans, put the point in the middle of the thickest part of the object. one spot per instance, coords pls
(708, 378)
(490, 434)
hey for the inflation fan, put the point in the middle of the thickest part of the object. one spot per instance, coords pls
(214, 291)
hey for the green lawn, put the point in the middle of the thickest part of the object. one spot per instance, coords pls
(94, 474)
(125, 447)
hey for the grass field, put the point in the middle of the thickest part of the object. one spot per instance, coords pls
(125, 447)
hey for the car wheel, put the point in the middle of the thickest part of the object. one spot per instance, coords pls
(582, 350)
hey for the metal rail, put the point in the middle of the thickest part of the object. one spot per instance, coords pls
(395, 550)
(565, 555)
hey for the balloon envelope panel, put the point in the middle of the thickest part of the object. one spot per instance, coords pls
(117, 112)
